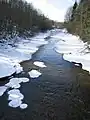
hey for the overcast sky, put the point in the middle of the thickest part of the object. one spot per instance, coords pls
(54, 9)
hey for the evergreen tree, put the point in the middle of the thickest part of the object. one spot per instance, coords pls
(74, 10)
(80, 22)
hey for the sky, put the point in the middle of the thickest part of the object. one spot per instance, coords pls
(54, 9)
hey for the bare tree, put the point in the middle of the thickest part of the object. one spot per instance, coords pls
(68, 14)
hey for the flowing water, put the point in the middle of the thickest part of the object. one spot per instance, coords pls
(62, 92)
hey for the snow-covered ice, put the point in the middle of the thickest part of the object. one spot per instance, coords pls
(24, 80)
(2, 90)
(15, 94)
(18, 68)
(13, 91)
(15, 98)
(11, 56)
(6, 69)
(15, 82)
(73, 49)
(39, 64)
(15, 103)
(23, 106)
(34, 73)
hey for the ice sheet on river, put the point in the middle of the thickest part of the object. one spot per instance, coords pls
(15, 99)
(15, 82)
(2, 90)
(23, 106)
(15, 94)
(73, 49)
(39, 64)
(12, 55)
(34, 73)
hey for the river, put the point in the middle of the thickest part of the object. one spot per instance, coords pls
(60, 93)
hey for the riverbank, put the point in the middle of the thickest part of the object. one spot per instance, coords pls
(16, 50)
(73, 49)
(60, 92)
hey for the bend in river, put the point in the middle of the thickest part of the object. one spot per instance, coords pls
(60, 93)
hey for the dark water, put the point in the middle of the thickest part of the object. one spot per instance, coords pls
(61, 93)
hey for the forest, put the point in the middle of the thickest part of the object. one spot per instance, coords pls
(77, 19)
(20, 17)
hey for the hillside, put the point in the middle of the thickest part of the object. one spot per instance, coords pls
(20, 17)
(77, 19)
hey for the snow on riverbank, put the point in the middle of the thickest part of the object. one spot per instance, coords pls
(73, 49)
(12, 55)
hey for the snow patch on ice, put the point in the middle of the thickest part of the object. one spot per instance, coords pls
(13, 91)
(15, 94)
(39, 64)
(15, 82)
(15, 103)
(6, 69)
(12, 55)
(34, 74)
(15, 98)
(18, 68)
(23, 106)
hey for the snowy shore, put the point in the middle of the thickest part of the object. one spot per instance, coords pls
(21, 50)
(73, 49)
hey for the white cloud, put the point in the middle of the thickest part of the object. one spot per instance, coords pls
(49, 9)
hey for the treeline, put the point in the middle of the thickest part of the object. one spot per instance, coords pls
(77, 19)
(19, 17)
